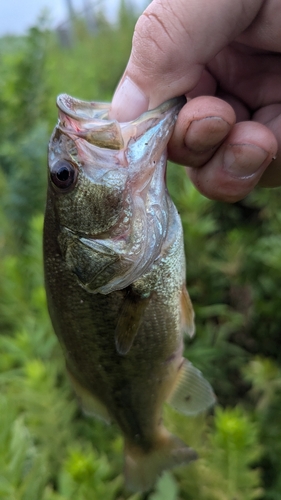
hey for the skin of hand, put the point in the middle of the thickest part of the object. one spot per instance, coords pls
(226, 56)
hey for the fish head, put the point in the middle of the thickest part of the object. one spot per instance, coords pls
(107, 190)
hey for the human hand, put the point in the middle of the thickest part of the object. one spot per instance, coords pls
(227, 56)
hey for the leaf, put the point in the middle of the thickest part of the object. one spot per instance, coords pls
(166, 488)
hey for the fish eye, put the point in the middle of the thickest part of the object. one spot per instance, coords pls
(63, 174)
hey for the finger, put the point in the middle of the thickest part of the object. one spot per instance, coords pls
(254, 77)
(242, 112)
(238, 164)
(202, 124)
(271, 117)
(172, 43)
(206, 85)
(265, 31)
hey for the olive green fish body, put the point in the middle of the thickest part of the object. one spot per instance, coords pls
(115, 279)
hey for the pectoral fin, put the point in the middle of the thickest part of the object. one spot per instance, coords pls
(187, 313)
(192, 393)
(129, 321)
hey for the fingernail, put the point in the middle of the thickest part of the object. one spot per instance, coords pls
(212, 128)
(128, 102)
(243, 160)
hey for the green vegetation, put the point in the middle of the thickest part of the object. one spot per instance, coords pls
(48, 450)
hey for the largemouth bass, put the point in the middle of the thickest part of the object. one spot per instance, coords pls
(115, 279)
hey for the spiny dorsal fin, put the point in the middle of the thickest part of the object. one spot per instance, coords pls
(129, 321)
(192, 393)
(187, 313)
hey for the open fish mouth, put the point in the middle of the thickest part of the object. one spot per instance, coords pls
(92, 123)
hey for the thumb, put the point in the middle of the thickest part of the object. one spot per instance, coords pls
(172, 42)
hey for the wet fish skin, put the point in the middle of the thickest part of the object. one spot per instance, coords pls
(115, 279)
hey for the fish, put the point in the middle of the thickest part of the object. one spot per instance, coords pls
(115, 279)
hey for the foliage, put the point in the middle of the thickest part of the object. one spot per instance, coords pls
(48, 450)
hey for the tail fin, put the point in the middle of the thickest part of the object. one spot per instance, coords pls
(143, 468)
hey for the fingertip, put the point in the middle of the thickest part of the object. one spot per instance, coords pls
(128, 102)
(206, 133)
(202, 125)
(209, 105)
(244, 160)
(237, 167)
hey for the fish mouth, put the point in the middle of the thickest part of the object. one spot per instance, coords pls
(90, 121)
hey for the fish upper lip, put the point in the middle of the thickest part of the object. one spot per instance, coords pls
(69, 106)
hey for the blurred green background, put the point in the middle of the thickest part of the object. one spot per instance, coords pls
(48, 450)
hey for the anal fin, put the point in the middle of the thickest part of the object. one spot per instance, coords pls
(187, 313)
(89, 403)
(192, 393)
(130, 319)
